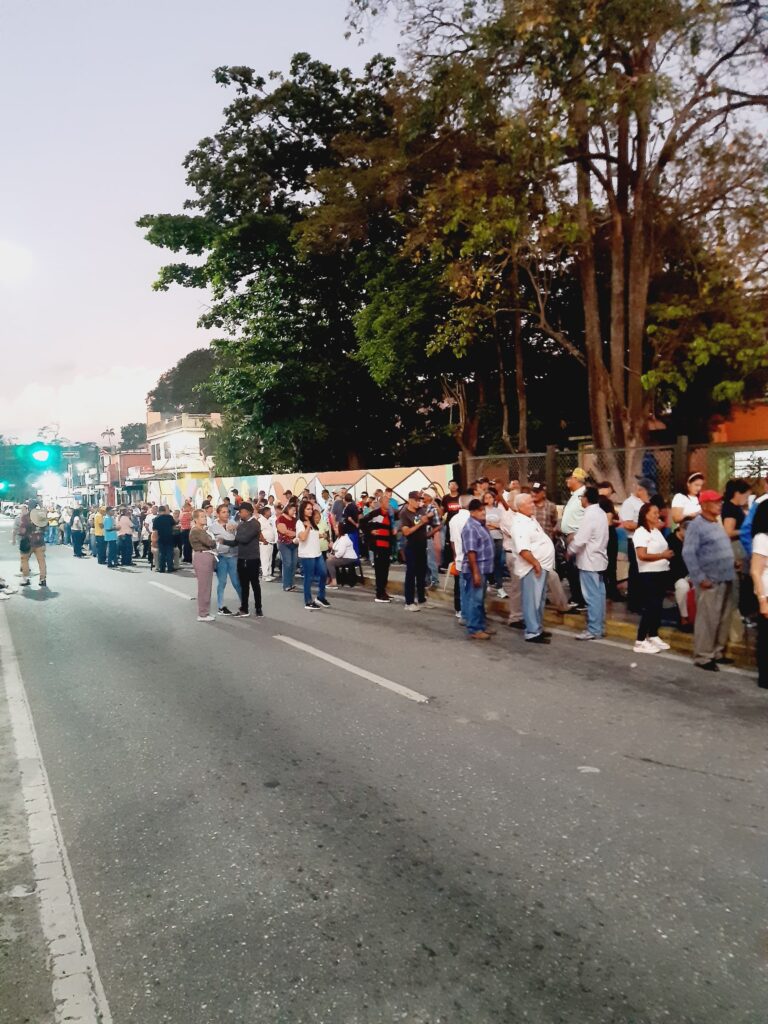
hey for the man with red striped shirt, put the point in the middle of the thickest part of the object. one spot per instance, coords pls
(378, 524)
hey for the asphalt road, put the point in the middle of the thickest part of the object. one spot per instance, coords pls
(259, 835)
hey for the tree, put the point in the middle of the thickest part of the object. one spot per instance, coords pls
(634, 116)
(133, 436)
(185, 387)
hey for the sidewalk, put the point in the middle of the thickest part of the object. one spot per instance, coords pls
(620, 624)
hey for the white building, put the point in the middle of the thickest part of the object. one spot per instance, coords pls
(175, 441)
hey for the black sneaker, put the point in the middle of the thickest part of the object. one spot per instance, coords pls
(322, 601)
(519, 624)
(259, 614)
(42, 583)
(538, 639)
(709, 666)
(241, 613)
(24, 583)
(311, 606)
(224, 611)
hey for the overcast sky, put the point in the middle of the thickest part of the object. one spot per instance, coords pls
(100, 103)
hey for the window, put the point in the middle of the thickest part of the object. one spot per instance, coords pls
(166, 450)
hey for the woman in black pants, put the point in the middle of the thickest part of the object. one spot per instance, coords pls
(759, 572)
(653, 555)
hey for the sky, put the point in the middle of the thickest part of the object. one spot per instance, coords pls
(100, 103)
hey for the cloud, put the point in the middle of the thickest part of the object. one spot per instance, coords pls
(82, 407)
(17, 264)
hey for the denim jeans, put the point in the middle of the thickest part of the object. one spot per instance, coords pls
(125, 547)
(593, 589)
(101, 550)
(432, 562)
(289, 554)
(473, 603)
(227, 570)
(313, 568)
(499, 562)
(165, 555)
(111, 553)
(534, 595)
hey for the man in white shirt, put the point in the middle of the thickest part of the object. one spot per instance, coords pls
(514, 593)
(590, 548)
(534, 560)
(269, 533)
(456, 525)
(628, 513)
(573, 513)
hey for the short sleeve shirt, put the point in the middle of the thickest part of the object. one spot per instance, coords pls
(408, 518)
(654, 542)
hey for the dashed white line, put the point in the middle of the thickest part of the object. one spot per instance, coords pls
(78, 993)
(388, 684)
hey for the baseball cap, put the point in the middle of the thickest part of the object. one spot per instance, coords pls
(537, 486)
(710, 496)
(413, 495)
(647, 483)
(579, 474)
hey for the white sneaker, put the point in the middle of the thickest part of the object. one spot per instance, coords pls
(4, 596)
(206, 618)
(658, 643)
(412, 608)
(645, 647)
(458, 615)
(501, 592)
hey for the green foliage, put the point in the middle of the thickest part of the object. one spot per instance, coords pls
(184, 388)
(133, 436)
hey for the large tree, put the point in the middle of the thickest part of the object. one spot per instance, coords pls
(185, 387)
(616, 143)
(133, 436)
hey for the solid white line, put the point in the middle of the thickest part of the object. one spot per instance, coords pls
(78, 993)
(171, 590)
(388, 684)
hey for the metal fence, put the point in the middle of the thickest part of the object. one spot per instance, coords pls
(666, 465)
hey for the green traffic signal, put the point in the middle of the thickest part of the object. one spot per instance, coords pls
(39, 455)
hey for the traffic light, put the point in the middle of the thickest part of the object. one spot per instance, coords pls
(40, 456)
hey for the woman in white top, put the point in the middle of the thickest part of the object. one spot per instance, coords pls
(759, 570)
(493, 522)
(312, 564)
(685, 506)
(343, 553)
(653, 555)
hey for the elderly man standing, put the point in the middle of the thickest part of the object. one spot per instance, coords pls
(545, 512)
(534, 560)
(478, 557)
(708, 554)
(590, 546)
(573, 513)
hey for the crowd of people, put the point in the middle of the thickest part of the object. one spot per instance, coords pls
(706, 551)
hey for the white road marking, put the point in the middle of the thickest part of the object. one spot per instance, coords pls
(78, 993)
(171, 590)
(388, 684)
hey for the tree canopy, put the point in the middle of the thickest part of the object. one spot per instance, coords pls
(133, 436)
(185, 387)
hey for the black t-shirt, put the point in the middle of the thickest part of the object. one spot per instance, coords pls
(351, 515)
(731, 511)
(408, 518)
(164, 525)
(451, 506)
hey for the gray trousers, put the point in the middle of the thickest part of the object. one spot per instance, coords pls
(512, 587)
(714, 608)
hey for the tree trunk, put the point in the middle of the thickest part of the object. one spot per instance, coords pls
(522, 397)
(503, 398)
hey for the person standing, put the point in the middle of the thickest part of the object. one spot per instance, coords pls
(98, 533)
(628, 517)
(222, 529)
(573, 513)
(493, 525)
(77, 532)
(125, 537)
(312, 564)
(269, 536)
(685, 504)
(185, 525)
(203, 562)
(451, 505)
(162, 526)
(545, 512)
(708, 554)
(30, 530)
(606, 492)
(110, 537)
(590, 548)
(247, 539)
(534, 560)
(477, 564)
(653, 555)
(351, 520)
(759, 569)
(286, 543)
(380, 527)
(414, 527)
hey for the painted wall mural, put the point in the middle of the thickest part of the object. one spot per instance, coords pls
(401, 480)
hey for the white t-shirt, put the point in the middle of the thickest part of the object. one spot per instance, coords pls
(630, 510)
(457, 524)
(689, 503)
(343, 547)
(268, 529)
(309, 548)
(654, 542)
(528, 535)
(760, 547)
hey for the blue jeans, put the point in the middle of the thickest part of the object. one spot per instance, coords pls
(313, 568)
(289, 556)
(165, 555)
(473, 603)
(534, 595)
(499, 562)
(125, 546)
(111, 552)
(101, 550)
(227, 570)
(432, 562)
(593, 589)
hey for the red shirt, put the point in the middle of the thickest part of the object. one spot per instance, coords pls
(290, 524)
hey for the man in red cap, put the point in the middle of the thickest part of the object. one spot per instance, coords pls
(709, 558)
